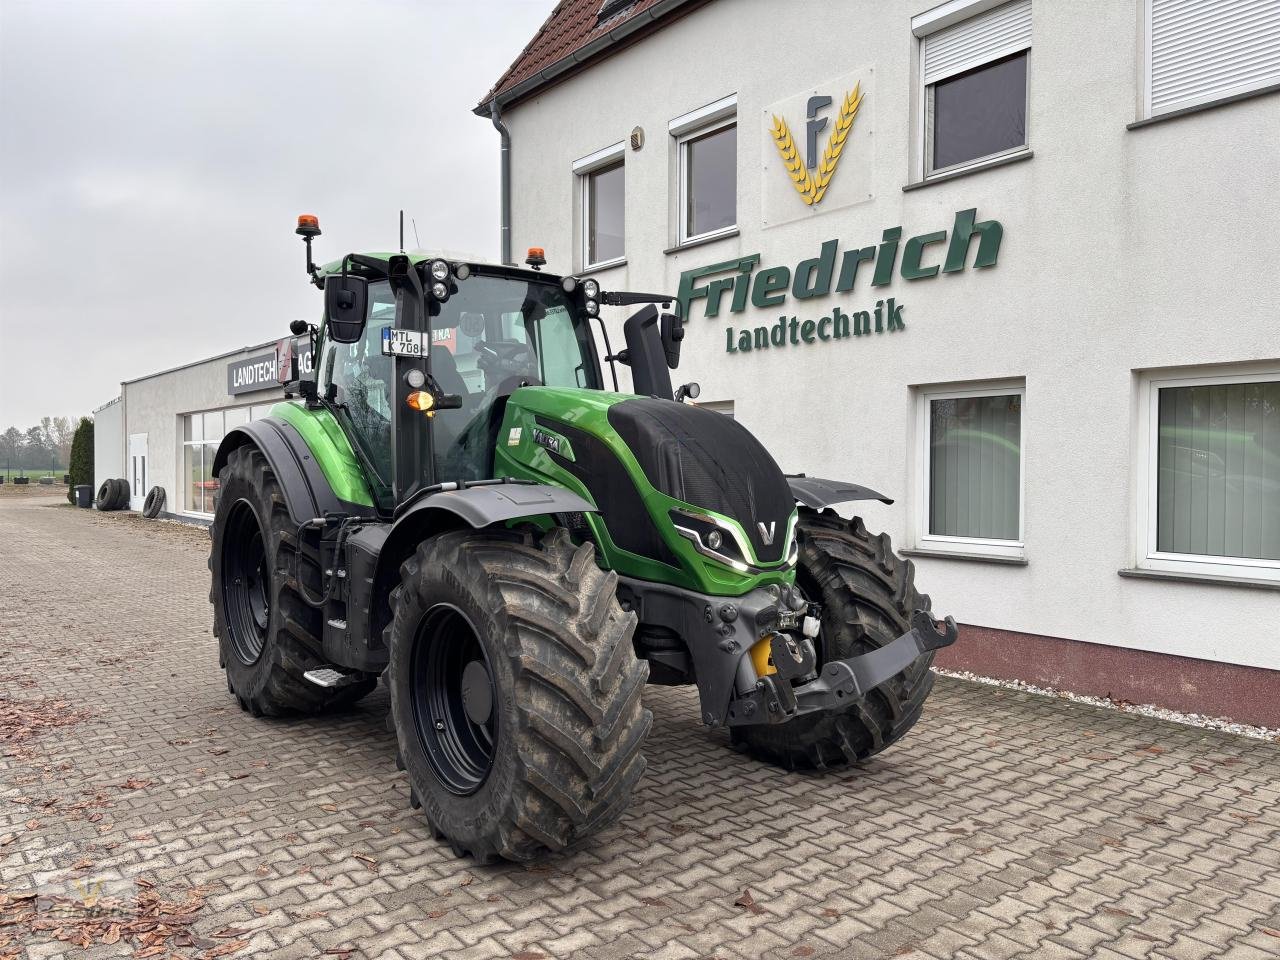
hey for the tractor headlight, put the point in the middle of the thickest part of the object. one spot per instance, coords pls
(592, 308)
(439, 270)
(462, 271)
(440, 291)
(591, 288)
(569, 284)
(711, 538)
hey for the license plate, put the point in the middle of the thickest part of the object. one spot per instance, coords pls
(401, 343)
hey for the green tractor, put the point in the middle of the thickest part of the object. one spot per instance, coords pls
(455, 502)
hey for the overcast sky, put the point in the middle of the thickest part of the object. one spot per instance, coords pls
(154, 157)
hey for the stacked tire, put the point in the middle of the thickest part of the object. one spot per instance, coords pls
(112, 495)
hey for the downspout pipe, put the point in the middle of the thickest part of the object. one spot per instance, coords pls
(495, 114)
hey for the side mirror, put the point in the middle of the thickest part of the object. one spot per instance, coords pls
(672, 335)
(346, 301)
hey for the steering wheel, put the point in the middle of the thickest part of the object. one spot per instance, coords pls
(509, 357)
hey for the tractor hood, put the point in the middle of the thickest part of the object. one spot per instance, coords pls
(710, 461)
(685, 495)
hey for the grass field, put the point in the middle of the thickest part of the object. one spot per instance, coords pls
(33, 473)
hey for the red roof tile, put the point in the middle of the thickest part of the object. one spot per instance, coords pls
(570, 27)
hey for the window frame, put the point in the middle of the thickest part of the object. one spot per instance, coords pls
(1147, 479)
(981, 547)
(605, 158)
(935, 21)
(711, 118)
(197, 416)
(1145, 109)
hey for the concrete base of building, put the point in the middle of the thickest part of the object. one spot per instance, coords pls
(1243, 694)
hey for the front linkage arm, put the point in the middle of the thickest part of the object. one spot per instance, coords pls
(842, 681)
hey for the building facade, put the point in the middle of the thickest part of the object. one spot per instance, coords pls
(1014, 264)
(163, 430)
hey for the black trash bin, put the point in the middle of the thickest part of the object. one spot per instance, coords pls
(84, 495)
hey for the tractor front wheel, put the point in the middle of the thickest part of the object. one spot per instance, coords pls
(515, 692)
(868, 595)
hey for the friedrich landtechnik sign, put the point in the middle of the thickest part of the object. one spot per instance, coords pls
(922, 257)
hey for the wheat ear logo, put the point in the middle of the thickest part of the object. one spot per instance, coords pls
(812, 179)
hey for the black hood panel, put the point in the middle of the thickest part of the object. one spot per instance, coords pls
(711, 461)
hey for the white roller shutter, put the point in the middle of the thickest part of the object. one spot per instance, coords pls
(1203, 50)
(978, 40)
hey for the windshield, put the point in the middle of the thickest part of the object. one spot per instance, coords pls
(492, 336)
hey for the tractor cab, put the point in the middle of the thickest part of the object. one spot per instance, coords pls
(494, 332)
(418, 356)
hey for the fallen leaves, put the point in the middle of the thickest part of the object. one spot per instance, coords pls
(23, 720)
(133, 783)
(148, 925)
(748, 902)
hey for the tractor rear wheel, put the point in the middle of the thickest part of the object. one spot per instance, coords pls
(515, 692)
(868, 595)
(267, 636)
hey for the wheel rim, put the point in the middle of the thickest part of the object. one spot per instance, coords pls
(454, 701)
(246, 582)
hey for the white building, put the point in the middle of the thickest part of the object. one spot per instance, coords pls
(163, 430)
(1011, 263)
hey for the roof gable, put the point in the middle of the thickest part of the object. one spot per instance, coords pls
(572, 27)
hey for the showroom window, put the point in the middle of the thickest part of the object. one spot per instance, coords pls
(970, 467)
(1210, 474)
(973, 84)
(201, 434)
(601, 181)
(1199, 52)
(706, 146)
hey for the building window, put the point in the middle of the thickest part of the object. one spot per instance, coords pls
(201, 434)
(706, 144)
(601, 179)
(974, 64)
(969, 479)
(1211, 475)
(1199, 52)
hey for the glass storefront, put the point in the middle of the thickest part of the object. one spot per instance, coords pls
(201, 434)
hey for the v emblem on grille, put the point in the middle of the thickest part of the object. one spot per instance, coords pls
(767, 533)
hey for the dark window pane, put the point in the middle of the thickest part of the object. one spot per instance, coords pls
(980, 112)
(604, 214)
(974, 465)
(711, 178)
(1218, 453)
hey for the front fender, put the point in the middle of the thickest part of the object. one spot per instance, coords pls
(474, 506)
(818, 493)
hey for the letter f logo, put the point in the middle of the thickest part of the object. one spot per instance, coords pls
(813, 128)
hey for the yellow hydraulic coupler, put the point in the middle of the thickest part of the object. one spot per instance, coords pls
(762, 656)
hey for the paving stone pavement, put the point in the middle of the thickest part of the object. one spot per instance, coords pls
(1006, 825)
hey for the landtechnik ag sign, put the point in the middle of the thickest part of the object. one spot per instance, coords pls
(733, 285)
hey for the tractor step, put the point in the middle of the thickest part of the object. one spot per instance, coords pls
(330, 677)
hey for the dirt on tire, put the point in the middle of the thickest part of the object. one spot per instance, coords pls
(570, 721)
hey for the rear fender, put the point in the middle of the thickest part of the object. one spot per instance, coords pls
(307, 494)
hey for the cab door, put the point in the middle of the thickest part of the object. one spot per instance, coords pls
(137, 470)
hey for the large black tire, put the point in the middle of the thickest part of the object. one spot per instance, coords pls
(121, 501)
(154, 503)
(564, 735)
(106, 495)
(267, 636)
(868, 595)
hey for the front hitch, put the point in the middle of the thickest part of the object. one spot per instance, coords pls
(843, 681)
